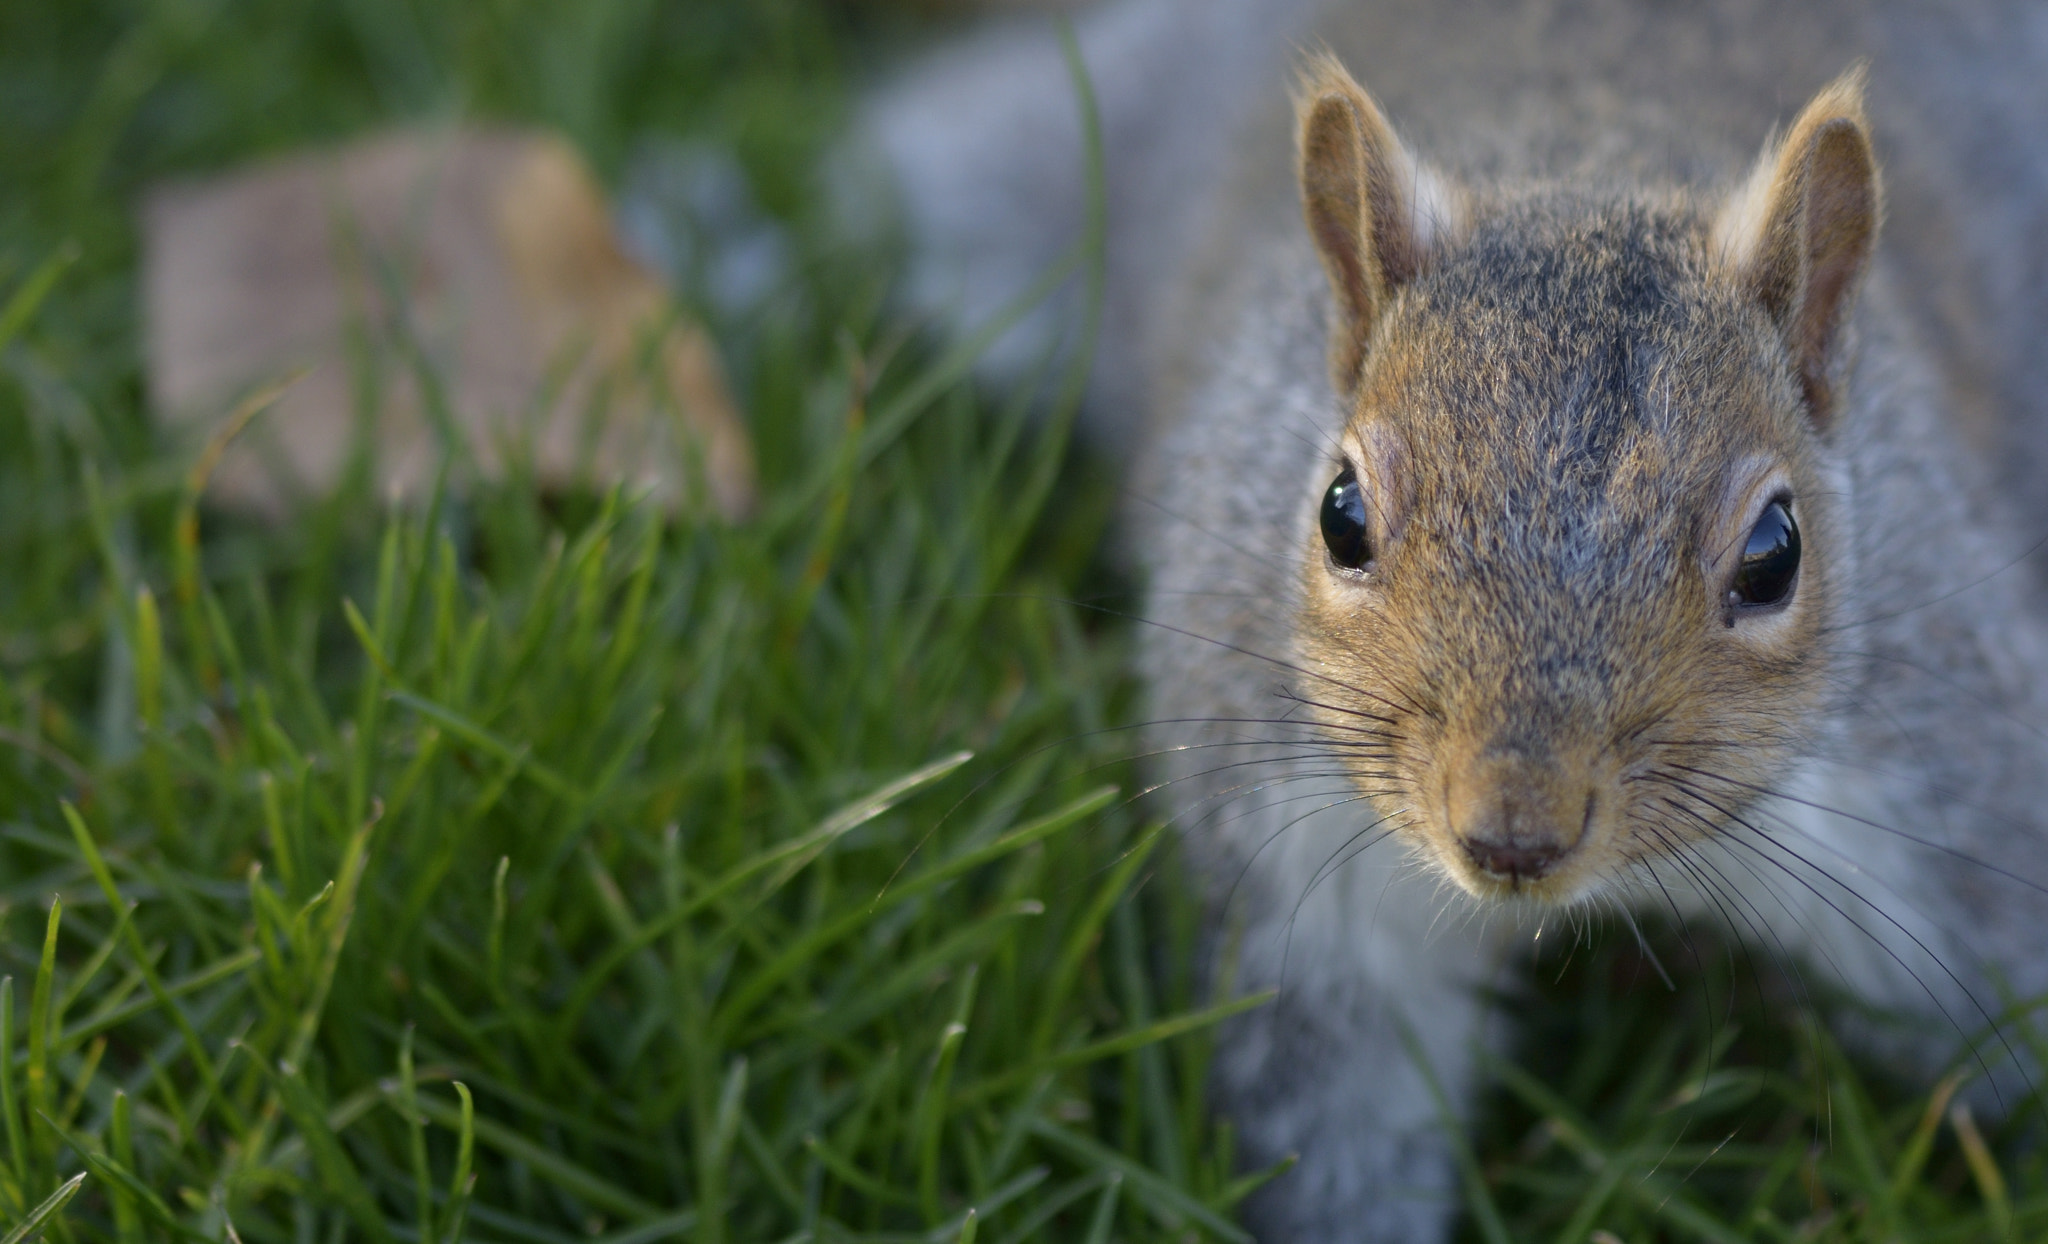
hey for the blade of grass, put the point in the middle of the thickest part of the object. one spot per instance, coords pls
(337, 1172)
(1983, 1170)
(715, 1145)
(341, 910)
(548, 1165)
(1171, 1205)
(454, 723)
(416, 1136)
(17, 1146)
(782, 858)
(929, 1112)
(127, 1216)
(40, 1089)
(1104, 1217)
(462, 1181)
(45, 1213)
(114, 1174)
(1081, 936)
(770, 976)
(29, 295)
(1113, 1046)
(1921, 1143)
(194, 1047)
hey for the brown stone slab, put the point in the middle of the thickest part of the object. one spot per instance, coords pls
(476, 264)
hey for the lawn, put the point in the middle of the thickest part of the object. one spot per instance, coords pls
(522, 866)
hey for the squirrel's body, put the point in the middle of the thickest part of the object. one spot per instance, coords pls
(1579, 360)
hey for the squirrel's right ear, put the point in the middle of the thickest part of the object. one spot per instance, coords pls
(1374, 214)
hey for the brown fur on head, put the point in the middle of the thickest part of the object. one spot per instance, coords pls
(1567, 414)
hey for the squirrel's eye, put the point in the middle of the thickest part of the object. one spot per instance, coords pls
(1770, 560)
(1343, 518)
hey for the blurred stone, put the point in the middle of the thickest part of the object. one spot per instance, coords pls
(482, 262)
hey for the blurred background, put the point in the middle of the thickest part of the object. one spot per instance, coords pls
(103, 101)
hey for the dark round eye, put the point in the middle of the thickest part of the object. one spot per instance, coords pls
(1343, 518)
(1770, 560)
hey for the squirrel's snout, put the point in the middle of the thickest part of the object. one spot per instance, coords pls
(1518, 819)
(1515, 859)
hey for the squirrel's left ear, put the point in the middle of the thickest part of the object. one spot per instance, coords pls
(1801, 232)
(1376, 215)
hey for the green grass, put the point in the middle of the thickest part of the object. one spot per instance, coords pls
(1719, 1107)
(532, 868)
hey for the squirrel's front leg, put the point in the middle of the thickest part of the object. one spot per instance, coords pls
(1372, 971)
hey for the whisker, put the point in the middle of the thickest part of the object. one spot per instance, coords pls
(1944, 848)
(1262, 558)
(1762, 928)
(1298, 698)
(1951, 594)
(1938, 961)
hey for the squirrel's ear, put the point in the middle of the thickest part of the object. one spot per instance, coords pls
(1374, 214)
(1800, 233)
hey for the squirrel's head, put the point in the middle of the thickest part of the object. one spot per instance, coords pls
(1577, 552)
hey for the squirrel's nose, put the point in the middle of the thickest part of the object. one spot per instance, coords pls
(1517, 820)
(1513, 860)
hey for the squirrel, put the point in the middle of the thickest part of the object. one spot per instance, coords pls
(1571, 512)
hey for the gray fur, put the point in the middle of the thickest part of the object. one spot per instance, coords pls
(985, 142)
(1915, 768)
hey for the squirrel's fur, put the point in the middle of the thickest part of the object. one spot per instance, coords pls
(1571, 343)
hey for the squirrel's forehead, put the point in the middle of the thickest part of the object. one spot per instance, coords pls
(1605, 552)
(1538, 366)
(1577, 358)
(1566, 274)
(1550, 480)
(1560, 410)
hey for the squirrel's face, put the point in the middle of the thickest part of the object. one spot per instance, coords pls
(1572, 551)
(1573, 556)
